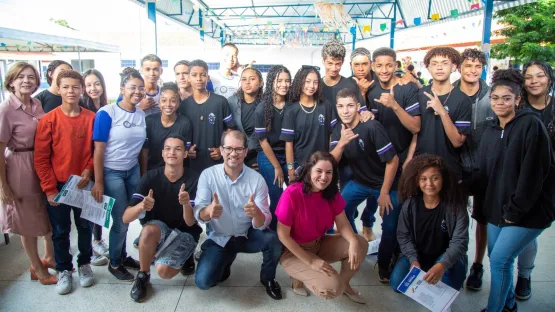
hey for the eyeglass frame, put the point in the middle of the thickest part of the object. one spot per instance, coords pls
(237, 150)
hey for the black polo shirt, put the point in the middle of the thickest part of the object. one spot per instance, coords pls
(309, 132)
(209, 119)
(407, 97)
(166, 198)
(272, 134)
(157, 134)
(368, 153)
(432, 138)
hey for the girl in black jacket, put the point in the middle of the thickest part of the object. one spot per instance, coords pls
(516, 173)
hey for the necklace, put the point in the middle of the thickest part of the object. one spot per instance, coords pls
(279, 111)
(313, 108)
(447, 99)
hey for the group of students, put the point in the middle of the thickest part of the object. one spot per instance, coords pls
(192, 152)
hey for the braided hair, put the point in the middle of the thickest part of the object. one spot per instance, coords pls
(548, 71)
(298, 84)
(270, 93)
(241, 94)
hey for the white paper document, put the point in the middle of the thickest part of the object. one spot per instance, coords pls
(93, 211)
(436, 298)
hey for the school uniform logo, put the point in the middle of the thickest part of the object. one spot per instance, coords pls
(361, 144)
(321, 119)
(127, 124)
(212, 118)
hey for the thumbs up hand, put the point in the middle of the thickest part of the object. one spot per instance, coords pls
(215, 208)
(184, 198)
(251, 210)
(148, 201)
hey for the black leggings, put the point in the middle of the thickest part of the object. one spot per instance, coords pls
(97, 232)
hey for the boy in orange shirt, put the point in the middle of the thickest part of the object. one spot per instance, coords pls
(64, 147)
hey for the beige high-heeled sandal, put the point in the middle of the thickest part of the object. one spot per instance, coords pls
(298, 288)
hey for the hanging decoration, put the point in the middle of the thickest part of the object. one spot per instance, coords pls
(383, 26)
(400, 23)
(474, 4)
(366, 29)
(333, 15)
(417, 21)
(454, 13)
(436, 17)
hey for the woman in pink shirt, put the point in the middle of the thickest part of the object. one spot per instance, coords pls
(306, 210)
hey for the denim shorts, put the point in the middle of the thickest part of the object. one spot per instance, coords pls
(178, 251)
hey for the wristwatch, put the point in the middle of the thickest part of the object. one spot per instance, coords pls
(290, 166)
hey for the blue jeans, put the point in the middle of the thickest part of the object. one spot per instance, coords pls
(504, 245)
(215, 260)
(453, 277)
(527, 258)
(354, 194)
(266, 169)
(368, 215)
(119, 184)
(60, 219)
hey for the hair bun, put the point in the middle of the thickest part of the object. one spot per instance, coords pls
(511, 74)
(127, 71)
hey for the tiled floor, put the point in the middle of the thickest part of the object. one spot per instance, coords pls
(241, 292)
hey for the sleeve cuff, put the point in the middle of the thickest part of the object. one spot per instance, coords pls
(197, 216)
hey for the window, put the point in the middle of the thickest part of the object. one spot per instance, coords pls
(164, 63)
(128, 63)
(213, 66)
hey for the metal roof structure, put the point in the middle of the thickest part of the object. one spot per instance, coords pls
(277, 22)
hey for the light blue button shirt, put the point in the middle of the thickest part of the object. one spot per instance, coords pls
(233, 196)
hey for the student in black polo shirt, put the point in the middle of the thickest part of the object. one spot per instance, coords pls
(308, 121)
(50, 98)
(445, 110)
(160, 125)
(361, 65)
(242, 106)
(209, 113)
(163, 201)
(268, 120)
(368, 149)
(395, 106)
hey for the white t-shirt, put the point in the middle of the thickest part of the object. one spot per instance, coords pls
(124, 133)
(155, 108)
(225, 86)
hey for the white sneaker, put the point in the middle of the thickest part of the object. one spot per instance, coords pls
(100, 248)
(98, 260)
(86, 277)
(65, 282)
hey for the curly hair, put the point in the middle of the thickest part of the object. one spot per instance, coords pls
(448, 52)
(171, 86)
(298, 84)
(510, 78)
(332, 189)
(548, 71)
(52, 67)
(333, 49)
(70, 74)
(130, 73)
(270, 93)
(241, 94)
(474, 54)
(450, 193)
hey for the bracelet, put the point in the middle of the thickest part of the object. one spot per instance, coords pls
(290, 165)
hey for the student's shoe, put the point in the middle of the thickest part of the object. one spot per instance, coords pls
(368, 233)
(356, 297)
(506, 309)
(474, 280)
(383, 275)
(138, 291)
(136, 242)
(121, 273)
(65, 282)
(131, 263)
(100, 248)
(272, 289)
(50, 280)
(198, 254)
(523, 289)
(86, 277)
(98, 260)
(188, 267)
(227, 273)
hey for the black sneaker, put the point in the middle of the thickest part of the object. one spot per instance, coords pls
(121, 273)
(131, 263)
(136, 242)
(138, 292)
(188, 267)
(227, 273)
(506, 309)
(474, 280)
(523, 289)
(272, 289)
(383, 274)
